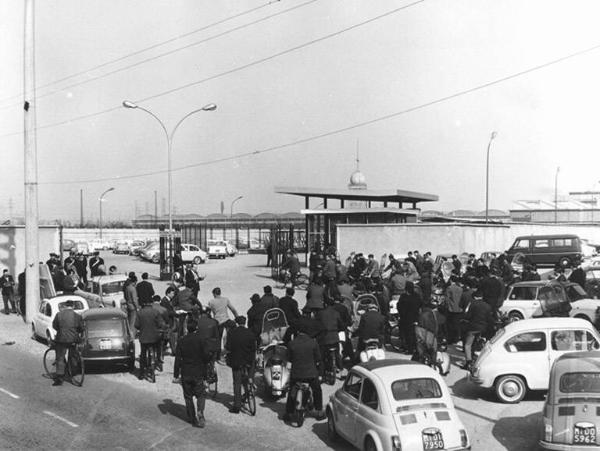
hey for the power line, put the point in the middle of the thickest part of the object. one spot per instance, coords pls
(344, 129)
(231, 71)
(137, 52)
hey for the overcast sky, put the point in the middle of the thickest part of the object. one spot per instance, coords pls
(419, 88)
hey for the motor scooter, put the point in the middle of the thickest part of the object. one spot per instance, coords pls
(373, 351)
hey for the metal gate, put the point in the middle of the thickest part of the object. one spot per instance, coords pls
(170, 244)
(282, 240)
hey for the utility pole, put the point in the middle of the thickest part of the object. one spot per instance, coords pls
(155, 209)
(556, 195)
(81, 208)
(32, 272)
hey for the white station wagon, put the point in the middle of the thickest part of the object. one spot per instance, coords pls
(392, 405)
(41, 325)
(519, 357)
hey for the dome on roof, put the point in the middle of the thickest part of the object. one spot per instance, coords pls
(357, 180)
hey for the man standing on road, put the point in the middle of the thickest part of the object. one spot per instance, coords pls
(190, 361)
(150, 325)
(219, 306)
(69, 327)
(96, 263)
(241, 347)
(144, 290)
(81, 267)
(289, 306)
(131, 298)
(8, 292)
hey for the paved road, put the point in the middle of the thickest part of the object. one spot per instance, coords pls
(115, 410)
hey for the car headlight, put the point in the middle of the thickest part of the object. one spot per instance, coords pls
(464, 439)
(547, 431)
(396, 445)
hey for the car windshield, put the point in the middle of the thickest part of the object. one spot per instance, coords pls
(105, 328)
(112, 287)
(418, 388)
(580, 383)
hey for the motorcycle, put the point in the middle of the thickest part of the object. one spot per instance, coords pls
(272, 355)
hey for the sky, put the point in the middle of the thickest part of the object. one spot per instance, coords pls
(418, 86)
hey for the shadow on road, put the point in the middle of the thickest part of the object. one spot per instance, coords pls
(464, 389)
(320, 430)
(518, 433)
(168, 407)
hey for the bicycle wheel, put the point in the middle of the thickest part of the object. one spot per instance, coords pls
(50, 362)
(249, 397)
(76, 367)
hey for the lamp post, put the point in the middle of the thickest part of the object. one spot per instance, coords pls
(169, 136)
(556, 195)
(487, 175)
(233, 202)
(100, 200)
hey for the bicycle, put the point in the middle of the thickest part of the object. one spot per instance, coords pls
(212, 379)
(149, 370)
(301, 281)
(331, 369)
(304, 402)
(74, 364)
(248, 391)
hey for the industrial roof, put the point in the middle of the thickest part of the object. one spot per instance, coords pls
(358, 194)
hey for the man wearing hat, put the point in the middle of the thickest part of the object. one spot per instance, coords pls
(96, 262)
(241, 347)
(69, 327)
(305, 358)
(255, 315)
(52, 262)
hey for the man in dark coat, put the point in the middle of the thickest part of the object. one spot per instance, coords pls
(208, 330)
(269, 300)
(81, 267)
(315, 295)
(242, 352)
(145, 290)
(190, 361)
(305, 358)
(255, 315)
(292, 264)
(347, 350)
(409, 306)
(69, 327)
(150, 325)
(332, 324)
(371, 325)
(8, 292)
(478, 320)
(289, 306)
(96, 264)
(578, 276)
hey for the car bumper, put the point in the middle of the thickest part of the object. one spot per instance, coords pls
(565, 447)
(111, 359)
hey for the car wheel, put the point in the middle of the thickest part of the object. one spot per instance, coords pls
(515, 316)
(197, 260)
(510, 389)
(331, 432)
(370, 444)
(565, 262)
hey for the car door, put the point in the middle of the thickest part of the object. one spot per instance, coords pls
(347, 406)
(185, 253)
(368, 412)
(528, 356)
(541, 249)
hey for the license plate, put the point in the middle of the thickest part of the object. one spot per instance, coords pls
(433, 441)
(584, 436)
(276, 374)
(105, 345)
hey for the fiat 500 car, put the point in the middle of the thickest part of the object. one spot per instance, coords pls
(107, 338)
(392, 405)
(570, 415)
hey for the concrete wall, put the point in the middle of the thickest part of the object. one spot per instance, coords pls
(445, 238)
(110, 234)
(12, 246)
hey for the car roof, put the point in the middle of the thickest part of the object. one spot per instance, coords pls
(546, 323)
(66, 297)
(109, 278)
(104, 313)
(541, 237)
(537, 283)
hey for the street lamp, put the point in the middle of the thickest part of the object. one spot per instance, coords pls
(100, 200)
(487, 175)
(169, 136)
(556, 195)
(233, 202)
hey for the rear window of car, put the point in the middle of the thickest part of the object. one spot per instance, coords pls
(587, 382)
(77, 305)
(105, 328)
(112, 287)
(418, 388)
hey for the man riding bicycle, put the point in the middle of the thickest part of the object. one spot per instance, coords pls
(151, 326)
(241, 347)
(69, 327)
(479, 320)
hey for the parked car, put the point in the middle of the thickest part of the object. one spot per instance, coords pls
(82, 247)
(99, 245)
(548, 298)
(563, 250)
(519, 357)
(107, 337)
(110, 289)
(136, 246)
(121, 247)
(192, 253)
(151, 253)
(69, 245)
(395, 405)
(592, 280)
(217, 249)
(570, 413)
(41, 325)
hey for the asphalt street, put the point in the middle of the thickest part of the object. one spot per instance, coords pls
(114, 410)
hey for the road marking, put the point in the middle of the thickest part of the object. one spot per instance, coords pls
(12, 395)
(58, 417)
